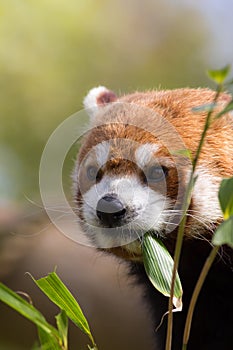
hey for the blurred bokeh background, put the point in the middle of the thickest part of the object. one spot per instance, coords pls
(51, 53)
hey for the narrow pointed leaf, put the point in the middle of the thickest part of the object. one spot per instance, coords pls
(159, 266)
(225, 196)
(48, 342)
(224, 233)
(62, 325)
(57, 292)
(219, 75)
(27, 310)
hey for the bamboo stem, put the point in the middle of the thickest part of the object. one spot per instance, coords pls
(196, 292)
(180, 235)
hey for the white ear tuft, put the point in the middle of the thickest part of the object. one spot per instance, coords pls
(91, 99)
(97, 98)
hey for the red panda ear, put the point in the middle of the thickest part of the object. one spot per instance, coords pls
(97, 98)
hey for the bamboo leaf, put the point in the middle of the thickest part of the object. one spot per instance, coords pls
(159, 266)
(57, 292)
(27, 310)
(219, 75)
(224, 233)
(62, 325)
(225, 196)
(47, 342)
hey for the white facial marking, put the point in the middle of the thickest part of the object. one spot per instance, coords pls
(102, 152)
(205, 198)
(144, 153)
(205, 195)
(145, 208)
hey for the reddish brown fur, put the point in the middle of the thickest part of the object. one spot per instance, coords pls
(127, 120)
(137, 117)
(176, 107)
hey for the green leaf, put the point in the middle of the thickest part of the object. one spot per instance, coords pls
(27, 310)
(57, 292)
(159, 267)
(219, 75)
(225, 196)
(47, 342)
(225, 110)
(62, 325)
(224, 233)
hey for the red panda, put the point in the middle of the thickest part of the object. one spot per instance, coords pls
(130, 178)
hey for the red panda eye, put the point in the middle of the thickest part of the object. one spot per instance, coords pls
(156, 173)
(92, 172)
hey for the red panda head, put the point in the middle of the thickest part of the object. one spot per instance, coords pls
(133, 168)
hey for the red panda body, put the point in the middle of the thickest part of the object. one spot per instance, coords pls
(130, 178)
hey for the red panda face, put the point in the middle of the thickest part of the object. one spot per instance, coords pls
(130, 176)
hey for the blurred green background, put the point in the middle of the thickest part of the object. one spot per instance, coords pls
(53, 51)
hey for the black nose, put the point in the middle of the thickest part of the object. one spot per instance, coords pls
(110, 211)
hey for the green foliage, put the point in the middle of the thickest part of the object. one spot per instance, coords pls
(27, 310)
(224, 232)
(50, 337)
(159, 266)
(226, 197)
(48, 342)
(219, 75)
(62, 326)
(57, 292)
